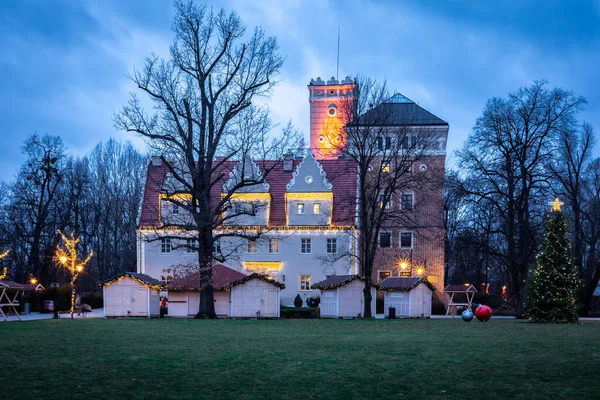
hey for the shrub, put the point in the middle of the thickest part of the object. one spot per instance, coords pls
(313, 301)
(299, 313)
(437, 307)
(298, 301)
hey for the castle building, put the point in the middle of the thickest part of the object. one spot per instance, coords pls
(308, 229)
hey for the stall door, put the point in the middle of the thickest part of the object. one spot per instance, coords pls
(268, 303)
(139, 299)
(328, 304)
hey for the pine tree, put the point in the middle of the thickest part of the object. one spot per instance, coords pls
(553, 292)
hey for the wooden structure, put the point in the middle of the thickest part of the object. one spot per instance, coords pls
(467, 290)
(9, 291)
(236, 295)
(342, 296)
(132, 295)
(411, 297)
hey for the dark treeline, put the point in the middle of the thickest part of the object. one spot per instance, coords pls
(525, 150)
(97, 197)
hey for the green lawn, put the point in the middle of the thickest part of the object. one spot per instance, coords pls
(298, 359)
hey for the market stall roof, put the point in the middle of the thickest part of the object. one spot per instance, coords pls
(141, 278)
(403, 284)
(335, 281)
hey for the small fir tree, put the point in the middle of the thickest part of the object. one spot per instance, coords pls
(553, 292)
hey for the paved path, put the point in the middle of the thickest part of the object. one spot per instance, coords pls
(97, 313)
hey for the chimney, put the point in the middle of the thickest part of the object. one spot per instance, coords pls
(156, 161)
(288, 162)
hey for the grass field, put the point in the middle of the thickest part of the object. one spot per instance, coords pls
(298, 359)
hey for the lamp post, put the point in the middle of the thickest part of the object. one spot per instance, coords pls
(67, 257)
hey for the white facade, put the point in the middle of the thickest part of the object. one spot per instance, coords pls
(289, 265)
(298, 242)
(127, 297)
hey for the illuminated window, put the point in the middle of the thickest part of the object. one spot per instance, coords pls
(300, 208)
(217, 246)
(384, 274)
(273, 246)
(385, 239)
(175, 209)
(317, 208)
(384, 202)
(190, 245)
(305, 246)
(331, 246)
(165, 245)
(304, 282)
(166, 278)
(385, 168)
(406, 239)
(252, 247)
(407, 201)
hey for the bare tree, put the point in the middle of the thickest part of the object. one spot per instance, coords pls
(205, 117)
(33, 206)
(591, 233)
(506, 158)
(574, 150)
(388, 145)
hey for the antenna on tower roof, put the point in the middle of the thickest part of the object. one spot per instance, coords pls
(337, 72)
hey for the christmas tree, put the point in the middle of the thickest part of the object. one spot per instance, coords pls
(553, 292)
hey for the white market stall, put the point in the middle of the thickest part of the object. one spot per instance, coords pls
(132, 295)
(342, 296)
(411, 297)
(236, 295)
(255, 296)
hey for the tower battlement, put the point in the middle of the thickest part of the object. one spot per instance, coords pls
(329, 102)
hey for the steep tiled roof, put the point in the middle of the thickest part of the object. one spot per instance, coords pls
(340, 173)
(401, 284)
(222, 277)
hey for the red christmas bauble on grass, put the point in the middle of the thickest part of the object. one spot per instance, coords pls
(483, 313)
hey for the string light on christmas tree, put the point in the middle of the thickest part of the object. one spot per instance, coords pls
(66, 254)
(553, 293)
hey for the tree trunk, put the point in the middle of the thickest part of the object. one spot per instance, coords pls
(205, 262)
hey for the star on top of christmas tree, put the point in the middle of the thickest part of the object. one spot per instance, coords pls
(556, 204)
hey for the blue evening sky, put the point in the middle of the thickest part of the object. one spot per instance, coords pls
(63, 64)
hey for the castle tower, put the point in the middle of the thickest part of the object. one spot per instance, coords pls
(329, 105)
